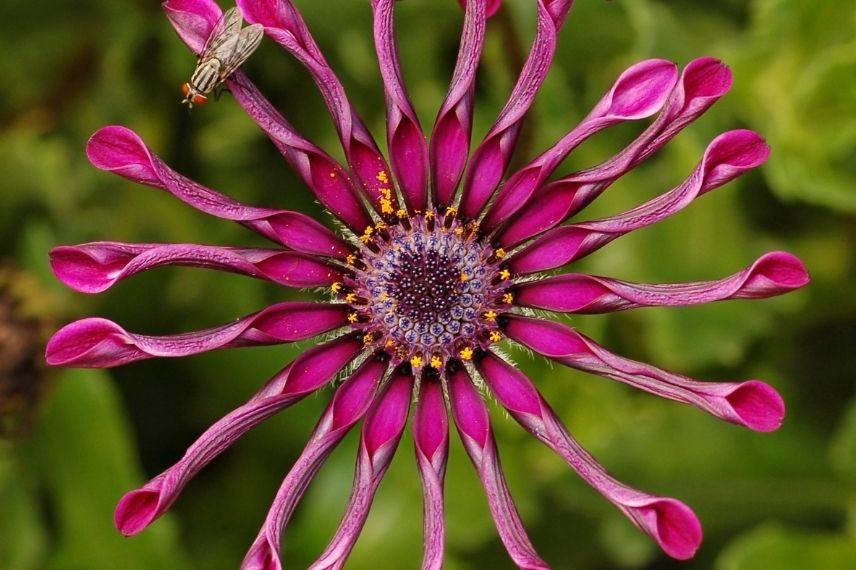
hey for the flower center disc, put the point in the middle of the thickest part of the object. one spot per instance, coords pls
(428, 287)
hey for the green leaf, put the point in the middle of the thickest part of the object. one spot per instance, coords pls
(772, 546)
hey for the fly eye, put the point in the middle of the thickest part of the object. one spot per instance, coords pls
(185, 89)
(199, 99)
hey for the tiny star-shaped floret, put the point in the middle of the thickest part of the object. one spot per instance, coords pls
(368, 338)
(495, 336)
(499, 253)
(466, 353)
(352, 317)
(504, 274)
(416, 361)
(508, 298)
(336, 287)
(351, 297)
(490, 315)
(436, 362)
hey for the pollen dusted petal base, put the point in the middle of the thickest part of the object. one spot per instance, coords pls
(421, 292)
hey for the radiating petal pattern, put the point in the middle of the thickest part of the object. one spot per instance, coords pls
(728, 156)
(121, 151)
(194, 20)
(95, 267)
(639, 92)
(284, 24)
(350, 403)
(381, 433)
(471, 418)
(751, 403)
(668, 521)
(431, 440)
(773, 274)
(306, 374)
(450, 140)
(99, 343)
(408, 150)
(490, 159)
(701, 84)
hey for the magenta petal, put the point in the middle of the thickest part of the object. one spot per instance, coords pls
(121, 151)
(752, 403)
(492, 5)
(99, 343)
(471, 418)
(95, 267)
(349, 404)
(381, 433)
(408, 150)
(671, 523)
(638, 93)
(701, 84)
(431, 440)
(728, 156)
(307, 373)
(284, 24)
(775, 273)
(193, 20)
(490, 159)
(450, 141)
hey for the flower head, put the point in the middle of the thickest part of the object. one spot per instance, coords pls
(440, 259)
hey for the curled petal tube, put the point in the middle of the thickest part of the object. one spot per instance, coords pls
(668, 521)
(284, 24)
(95, 267)
(774, 273)
(639, 92)
(408, 150)
(431, 440)
(381, 433)
(751, 403)
(471, 418)
(450, 140)
(99, 343)
(490, 159)
(121, 151)
(194, 21)
(702, 83)
(306, 374)
(728, 156)
(349, 405)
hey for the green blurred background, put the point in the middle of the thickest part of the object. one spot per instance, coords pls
(74, 441)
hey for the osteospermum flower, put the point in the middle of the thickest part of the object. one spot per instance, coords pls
(440, 260)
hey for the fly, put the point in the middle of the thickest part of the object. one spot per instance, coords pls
(226, 49)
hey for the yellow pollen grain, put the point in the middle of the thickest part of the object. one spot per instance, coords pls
(401, 213)
(365, 239)
(352, 317)
(416, 361)
(490, 315)
(464, 276)
(451, 211)
(380, 226)
(429, 214)
(436, 362)
(499, 253)
(389, 343)
(368, 231)
(505, 274)
(466, 353)
(495, 336)
(368, 338)
(508, 298)
(383, 176)
(351, 259)
(386, 206)
(459, 231)
(336, 287)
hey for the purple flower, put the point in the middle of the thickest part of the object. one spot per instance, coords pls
(435, 268)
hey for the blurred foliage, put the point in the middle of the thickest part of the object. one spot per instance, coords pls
(780, 501)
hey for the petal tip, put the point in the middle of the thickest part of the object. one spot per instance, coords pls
(784, 269)
(136, 511)
(73, 343)
(757, 405)
(676, 529)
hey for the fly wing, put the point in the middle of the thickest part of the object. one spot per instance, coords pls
(245, 44)
(221, 40)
